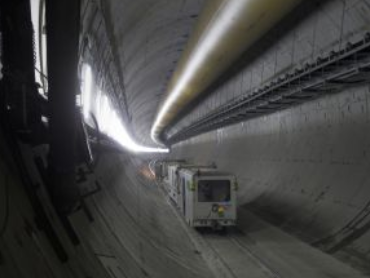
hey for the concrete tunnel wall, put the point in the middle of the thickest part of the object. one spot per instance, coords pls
(142, 230)
(305, 169)
(133, 232)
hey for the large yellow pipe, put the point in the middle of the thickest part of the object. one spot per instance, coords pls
(225, 29)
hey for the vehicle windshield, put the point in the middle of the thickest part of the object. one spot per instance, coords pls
(213, 191)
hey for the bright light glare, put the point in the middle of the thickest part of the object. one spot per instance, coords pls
(212, 36)
(86, 90)
(111, 125)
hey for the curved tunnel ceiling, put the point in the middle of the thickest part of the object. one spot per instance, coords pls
(149, 37)
(303, 172)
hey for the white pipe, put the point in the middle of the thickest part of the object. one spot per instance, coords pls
(224, 31)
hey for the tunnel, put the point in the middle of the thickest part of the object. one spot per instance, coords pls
(94, 94)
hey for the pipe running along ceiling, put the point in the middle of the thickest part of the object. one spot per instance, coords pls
(225, 29)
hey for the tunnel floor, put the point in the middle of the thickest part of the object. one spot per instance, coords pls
(256, 248)
(138, 233)
(135, 231)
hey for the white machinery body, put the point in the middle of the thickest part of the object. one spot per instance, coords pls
(207, 197)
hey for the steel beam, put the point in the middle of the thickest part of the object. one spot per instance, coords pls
(63, 19)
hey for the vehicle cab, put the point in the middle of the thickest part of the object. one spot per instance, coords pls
(208, 197)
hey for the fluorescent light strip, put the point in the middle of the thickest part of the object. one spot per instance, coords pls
(108, 120)
(86, 90)
(112, 126)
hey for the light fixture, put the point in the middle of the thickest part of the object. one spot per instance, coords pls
(111, 125)
(86, 90)
(108, 120)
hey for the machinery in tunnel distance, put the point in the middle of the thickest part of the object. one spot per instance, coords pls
(205, 196)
